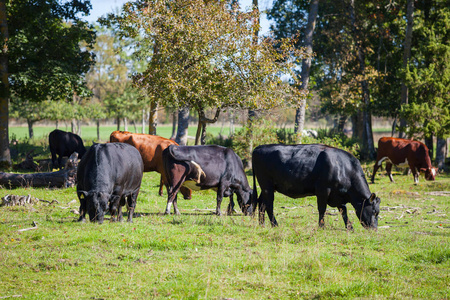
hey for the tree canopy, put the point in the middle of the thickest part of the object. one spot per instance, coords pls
(46, 59)
(201, 55)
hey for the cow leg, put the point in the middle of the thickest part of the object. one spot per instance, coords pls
(175, 206)
(131, 206)
(60, 161)
(161, 184)
(230, 208)
(119, 213)
(388, 170)
(266, 205)
(343, 211)
(54, 160)
(415, 173)
(114, 207)
(82, 211)
(375, 169)
(322, 200)
(220, 193)
(172, 200)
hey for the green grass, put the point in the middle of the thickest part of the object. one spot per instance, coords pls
(201, 256)
(89, 133)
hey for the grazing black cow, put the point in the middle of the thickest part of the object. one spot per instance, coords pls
(109, 176)
(205, 167)
(333, 175)
(64, 143)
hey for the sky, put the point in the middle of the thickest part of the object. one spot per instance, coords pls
(102, 7)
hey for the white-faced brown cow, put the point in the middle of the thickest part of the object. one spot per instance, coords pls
(404, 153)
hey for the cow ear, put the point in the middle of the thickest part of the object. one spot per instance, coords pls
(422, 169)
(372, 197)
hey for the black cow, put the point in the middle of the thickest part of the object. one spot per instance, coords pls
(109, 176)
(64, 143)
(205, 167)
(333, 175)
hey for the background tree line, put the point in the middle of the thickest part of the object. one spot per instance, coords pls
(361, 59)
(377, 58)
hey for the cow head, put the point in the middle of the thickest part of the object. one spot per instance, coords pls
(96, 204)
(368, 216)
(430, 173)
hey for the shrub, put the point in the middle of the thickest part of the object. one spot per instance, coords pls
(265, 132)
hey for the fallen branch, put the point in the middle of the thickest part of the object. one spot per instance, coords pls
(31, 228)
(60, 179)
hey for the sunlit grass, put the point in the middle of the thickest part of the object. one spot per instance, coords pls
(201, 256)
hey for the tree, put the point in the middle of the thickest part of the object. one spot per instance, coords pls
(428, 75)
(45, 59)
(407, 56)
(306, 64)
(110, 79)
(5, 156)
(202, 56)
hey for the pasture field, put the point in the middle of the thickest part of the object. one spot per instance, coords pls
(201, 256)
(89, 133)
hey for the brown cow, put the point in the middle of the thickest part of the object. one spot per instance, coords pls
(404, 153)
(151, 148)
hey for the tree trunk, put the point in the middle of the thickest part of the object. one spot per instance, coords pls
(357, 126)
(174, 125)
(341, 123)
(430, 145)
(143, 119)
(406, 57)
(5, 155)
(368, 147)
(125, 124)
(61, 179)
(251, 112)
(231, 116)
(30, 128)
(306, 65)
(118, 123)
(153, 119)
(441, 152)
(97, 122)
(183, 125)
(201, 128)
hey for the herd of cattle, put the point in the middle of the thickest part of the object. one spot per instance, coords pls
(109, 175)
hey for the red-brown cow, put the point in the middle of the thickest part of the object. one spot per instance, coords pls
(151, 148)
(404, 153)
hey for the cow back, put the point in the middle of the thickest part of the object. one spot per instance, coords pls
(108, 166)
(149, 146)
(302, 170)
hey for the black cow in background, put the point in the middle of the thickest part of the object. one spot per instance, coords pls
(109, 176)
(64, 143)
(206, 167)
(333, 175)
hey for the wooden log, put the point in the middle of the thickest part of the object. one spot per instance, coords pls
(61, 179)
